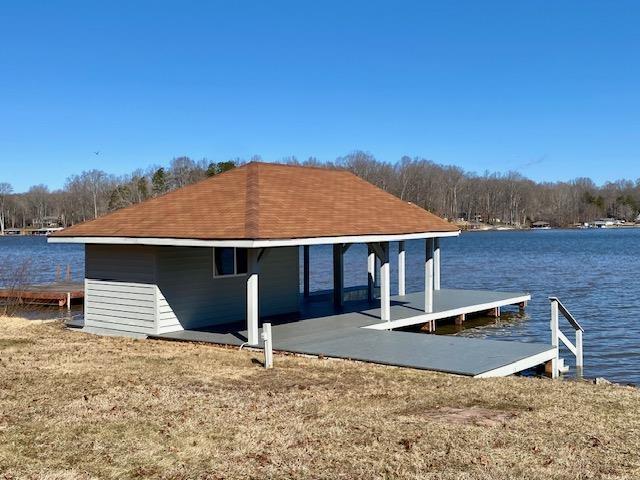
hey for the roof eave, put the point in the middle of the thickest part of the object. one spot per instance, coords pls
(249, 243)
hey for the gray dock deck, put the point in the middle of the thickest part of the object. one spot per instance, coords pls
(319, 330)
(447, 303)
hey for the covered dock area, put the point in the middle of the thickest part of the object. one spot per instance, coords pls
(355, 333)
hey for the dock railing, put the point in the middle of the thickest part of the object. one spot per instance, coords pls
(556, 335)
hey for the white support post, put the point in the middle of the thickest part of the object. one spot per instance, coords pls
(385, 290)
(579, 360)
(371, 269)
(401, 269)
(436, 263)
(268, 345)
(252, 296)
(554, 338)
(68, 301)
(428, 275)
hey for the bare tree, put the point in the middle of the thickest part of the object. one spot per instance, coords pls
(184, 171)
(38, 200)
(96, 181)
(90, 188)
(5, 191)
(446, 190)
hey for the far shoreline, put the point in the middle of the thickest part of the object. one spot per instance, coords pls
(513, 229)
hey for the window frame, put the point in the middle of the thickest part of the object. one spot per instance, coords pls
(235, 264)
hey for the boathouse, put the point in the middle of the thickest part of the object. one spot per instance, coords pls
(213, 260)
(541, 225)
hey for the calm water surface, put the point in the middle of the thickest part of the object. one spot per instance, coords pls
(39, 259)
(596, 273)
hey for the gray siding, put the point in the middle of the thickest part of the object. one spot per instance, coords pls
(121, 306)
(167, 320)
(196, 298)
(122, 263)
(120, 290)
(279, 284)
(146, 289)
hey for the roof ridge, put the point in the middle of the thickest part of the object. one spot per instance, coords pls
(252, 201)
(293, 165)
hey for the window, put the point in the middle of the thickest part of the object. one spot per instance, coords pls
(229, 261)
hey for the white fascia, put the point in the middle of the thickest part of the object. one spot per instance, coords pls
(286, 242)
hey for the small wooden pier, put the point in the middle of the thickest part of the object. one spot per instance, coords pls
(62, 293)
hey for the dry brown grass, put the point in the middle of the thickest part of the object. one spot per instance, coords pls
(79, 406)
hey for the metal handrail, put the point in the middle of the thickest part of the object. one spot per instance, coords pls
(557, 335)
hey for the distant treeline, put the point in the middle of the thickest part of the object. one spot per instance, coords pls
(447, 190)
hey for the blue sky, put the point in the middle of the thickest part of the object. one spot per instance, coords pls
(550, 89)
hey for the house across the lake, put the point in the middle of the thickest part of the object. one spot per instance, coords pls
(605, 223)
(213, 260)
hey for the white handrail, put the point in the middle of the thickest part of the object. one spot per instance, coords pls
(557, 336)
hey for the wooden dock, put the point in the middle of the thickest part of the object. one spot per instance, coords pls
(62, 293)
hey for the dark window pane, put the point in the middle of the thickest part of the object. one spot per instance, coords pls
(241, 260)
(224, 261)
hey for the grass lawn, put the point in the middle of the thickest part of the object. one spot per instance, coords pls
(74, 405)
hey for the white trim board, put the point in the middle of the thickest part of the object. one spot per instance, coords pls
(427, 317)
(519, 365)
(284, 242)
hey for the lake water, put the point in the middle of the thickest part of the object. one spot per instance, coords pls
(596, 273)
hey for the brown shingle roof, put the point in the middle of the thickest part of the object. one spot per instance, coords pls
(262, 201)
